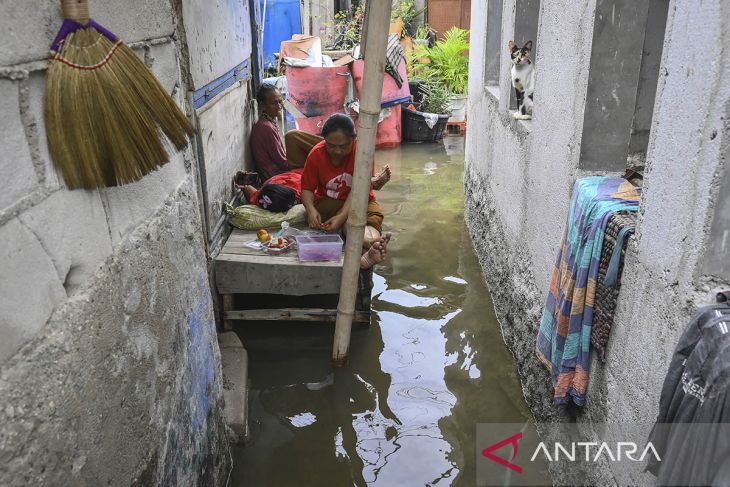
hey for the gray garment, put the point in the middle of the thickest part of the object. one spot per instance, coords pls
(695, 394)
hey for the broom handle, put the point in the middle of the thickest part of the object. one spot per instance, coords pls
(76, 10)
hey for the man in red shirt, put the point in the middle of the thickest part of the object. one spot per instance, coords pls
(271, 154)
(327, 181)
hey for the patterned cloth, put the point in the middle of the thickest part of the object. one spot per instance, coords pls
(393, 56)
(563, 341)
(606, 296)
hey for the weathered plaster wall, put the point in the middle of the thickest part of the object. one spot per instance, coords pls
(109, 365)
(219, 38)
(518, 177)
(518, 181)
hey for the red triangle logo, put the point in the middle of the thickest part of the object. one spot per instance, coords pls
(512, 440)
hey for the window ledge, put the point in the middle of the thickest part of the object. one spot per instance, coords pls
(493, 90)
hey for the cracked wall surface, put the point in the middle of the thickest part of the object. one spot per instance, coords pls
(518, 180)
(109, 364)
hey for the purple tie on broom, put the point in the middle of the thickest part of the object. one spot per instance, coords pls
(106, 113)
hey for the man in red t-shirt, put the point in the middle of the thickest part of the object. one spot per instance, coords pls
(327, 181)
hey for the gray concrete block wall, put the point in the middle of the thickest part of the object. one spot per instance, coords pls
(30, 25)
(519, 178)
(218, 35)
(109, 364)
(665, 277)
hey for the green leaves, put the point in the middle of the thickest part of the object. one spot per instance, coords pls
(450, 60)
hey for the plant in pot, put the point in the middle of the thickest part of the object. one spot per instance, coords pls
(427, 123)
(449, 64)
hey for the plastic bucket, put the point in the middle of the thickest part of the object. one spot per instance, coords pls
(415, 128)
(317, 91)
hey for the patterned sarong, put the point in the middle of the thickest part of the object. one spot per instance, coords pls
(563, 341)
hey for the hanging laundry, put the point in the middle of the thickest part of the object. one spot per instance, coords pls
(619, 227)
(563, 340)
(393, 57)
(695, 446)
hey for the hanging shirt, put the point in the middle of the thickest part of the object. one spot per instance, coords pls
(267, 147)
(325, 179)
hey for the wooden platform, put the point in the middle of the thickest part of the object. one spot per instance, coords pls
(242, 270)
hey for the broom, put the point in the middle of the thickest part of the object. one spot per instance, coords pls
(105, 111)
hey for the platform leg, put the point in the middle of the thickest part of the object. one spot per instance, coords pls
(227, 306)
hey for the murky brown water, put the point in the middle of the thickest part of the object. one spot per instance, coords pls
(431, 366)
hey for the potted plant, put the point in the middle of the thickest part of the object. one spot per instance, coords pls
(448, 62)
(426, 123)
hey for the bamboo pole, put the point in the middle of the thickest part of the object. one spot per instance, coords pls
(376, 39)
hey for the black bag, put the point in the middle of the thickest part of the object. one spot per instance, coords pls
(277, 198)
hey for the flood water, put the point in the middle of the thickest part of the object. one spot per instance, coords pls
(430, 367)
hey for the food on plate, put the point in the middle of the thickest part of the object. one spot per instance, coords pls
(263, 236)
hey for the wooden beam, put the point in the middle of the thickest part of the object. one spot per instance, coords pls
(228, 302)
(292, 314)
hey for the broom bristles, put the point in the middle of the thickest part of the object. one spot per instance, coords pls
(106, 113)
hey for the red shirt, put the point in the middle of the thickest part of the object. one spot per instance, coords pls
(268, 149)
(324, 179)
(292, 179)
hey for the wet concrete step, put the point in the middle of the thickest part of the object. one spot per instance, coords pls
(234, 359)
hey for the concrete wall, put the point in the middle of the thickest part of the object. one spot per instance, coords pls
(616, 56)
(219, 38)
(651, 56)
(518, 181)
(109, 365)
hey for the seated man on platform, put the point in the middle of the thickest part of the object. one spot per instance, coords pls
(271, 154)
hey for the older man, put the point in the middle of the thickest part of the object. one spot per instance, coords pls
(271, 154)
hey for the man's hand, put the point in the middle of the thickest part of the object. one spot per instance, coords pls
(335, 223)
(314, 219)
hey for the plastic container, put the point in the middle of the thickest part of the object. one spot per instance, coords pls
(317, 91)
(391, 94)
(312, 125)
(315, 248)
(415, 128)
(389, 130)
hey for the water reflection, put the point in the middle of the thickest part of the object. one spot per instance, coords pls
(431, 366)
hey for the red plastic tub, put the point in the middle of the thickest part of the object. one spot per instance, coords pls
(391, 94)
(389, 130)
(317, 91)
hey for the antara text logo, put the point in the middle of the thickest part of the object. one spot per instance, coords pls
(589, 451)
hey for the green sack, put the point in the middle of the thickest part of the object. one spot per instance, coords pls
(251, 217)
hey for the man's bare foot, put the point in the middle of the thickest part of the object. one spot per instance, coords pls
(382, 178)
(375, 254)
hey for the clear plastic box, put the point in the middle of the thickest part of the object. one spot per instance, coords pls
(313, 248)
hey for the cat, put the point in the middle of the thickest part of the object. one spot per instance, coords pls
(523, 79)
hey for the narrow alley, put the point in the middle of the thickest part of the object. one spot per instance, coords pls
(432, 363)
